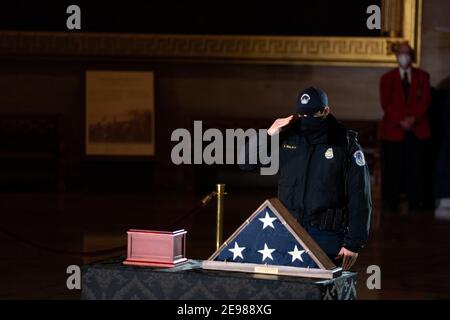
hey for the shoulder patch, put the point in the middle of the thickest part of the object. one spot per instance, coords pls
(359, 158)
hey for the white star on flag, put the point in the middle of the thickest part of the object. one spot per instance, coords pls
(268, 221)
(237, 251)
(296, 254)
(266, 252)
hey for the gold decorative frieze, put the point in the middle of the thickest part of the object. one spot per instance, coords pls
(371, 51)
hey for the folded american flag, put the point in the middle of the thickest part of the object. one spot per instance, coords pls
(272, 241)
(264, 239)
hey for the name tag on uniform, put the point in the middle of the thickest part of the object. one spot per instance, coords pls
(289, 146)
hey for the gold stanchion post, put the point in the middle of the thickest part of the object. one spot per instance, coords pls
(220, 192)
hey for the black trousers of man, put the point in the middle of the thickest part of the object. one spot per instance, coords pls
(403, 172)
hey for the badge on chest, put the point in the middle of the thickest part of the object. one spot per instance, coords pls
(329, 153)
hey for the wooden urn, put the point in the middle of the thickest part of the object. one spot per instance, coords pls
(156, 248)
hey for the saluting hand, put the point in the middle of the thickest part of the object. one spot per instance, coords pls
(348, 258)
(280, 123)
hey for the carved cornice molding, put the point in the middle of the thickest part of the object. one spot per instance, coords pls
(372, 51)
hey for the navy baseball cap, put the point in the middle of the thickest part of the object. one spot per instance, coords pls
(311, 100)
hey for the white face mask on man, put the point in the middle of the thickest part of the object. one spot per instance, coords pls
(404, 60)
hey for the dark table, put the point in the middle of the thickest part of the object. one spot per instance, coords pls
(111, 280)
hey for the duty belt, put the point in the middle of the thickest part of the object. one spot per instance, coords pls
(330, 220)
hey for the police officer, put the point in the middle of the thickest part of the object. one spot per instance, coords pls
(324, 180)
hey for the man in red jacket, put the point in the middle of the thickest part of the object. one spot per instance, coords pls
(405, 98)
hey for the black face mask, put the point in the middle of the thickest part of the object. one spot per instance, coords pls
(313, 124)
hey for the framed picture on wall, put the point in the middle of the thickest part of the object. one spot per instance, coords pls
(120, 113)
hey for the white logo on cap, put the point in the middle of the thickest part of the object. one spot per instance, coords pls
(305, 98)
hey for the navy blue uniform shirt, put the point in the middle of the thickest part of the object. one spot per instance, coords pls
(322, 171)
